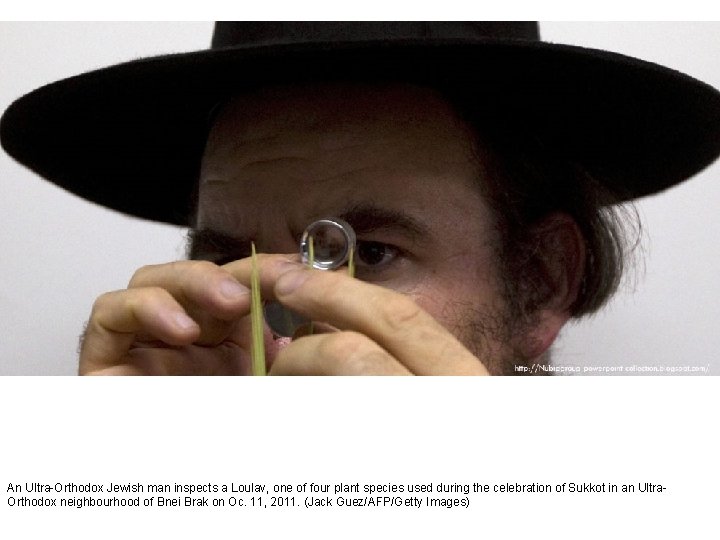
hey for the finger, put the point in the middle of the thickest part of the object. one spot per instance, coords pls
(191, 360)
(118, 317)
(313, 328)
(394, 321)
(207, 292)
(271, 267)
(227, 359)
(336, 353)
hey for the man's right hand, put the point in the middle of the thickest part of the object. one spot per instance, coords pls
(186, 317)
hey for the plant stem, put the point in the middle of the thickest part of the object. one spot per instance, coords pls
(351, 262)
(311, 263)
(256, 319)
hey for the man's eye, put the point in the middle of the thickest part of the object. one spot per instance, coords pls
(374, 254)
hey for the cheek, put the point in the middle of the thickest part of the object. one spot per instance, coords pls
(473, 310)
(454, 297)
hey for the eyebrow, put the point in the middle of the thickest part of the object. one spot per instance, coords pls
(213, 245)
(366, 218)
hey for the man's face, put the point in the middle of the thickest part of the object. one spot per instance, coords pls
(395, 162)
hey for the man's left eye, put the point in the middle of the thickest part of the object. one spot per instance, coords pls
(374, 254)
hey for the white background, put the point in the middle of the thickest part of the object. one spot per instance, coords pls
(59, 252)
(369, 430)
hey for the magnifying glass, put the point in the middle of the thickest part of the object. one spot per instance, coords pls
(331, 240)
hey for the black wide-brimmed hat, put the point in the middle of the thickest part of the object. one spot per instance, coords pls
(131, 136)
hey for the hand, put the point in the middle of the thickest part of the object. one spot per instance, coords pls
(379, 331)
(186, 317)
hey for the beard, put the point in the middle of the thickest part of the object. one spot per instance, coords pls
(490, 333)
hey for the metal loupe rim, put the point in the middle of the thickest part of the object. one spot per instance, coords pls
(337, 223)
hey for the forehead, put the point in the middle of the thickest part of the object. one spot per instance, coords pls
(342, 141)
(323, 108)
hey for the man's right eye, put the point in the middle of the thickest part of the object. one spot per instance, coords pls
(216, 247)
(215, 257)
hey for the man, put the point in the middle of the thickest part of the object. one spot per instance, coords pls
(463, 158)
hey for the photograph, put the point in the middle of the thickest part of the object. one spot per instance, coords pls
(360, 198)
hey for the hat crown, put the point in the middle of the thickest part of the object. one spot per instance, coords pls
(229, 34)
(638, 128)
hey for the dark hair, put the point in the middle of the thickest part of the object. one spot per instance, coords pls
(528, 180)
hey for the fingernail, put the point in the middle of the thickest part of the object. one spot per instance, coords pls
(287, 266)
(290, 281)
(183, 321)
(232, 290)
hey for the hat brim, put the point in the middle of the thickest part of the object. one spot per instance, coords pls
(130, 137)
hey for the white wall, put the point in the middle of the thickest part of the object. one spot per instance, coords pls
(60, 252)
(671, 317)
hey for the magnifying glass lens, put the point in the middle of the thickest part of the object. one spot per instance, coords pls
(332, 240)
